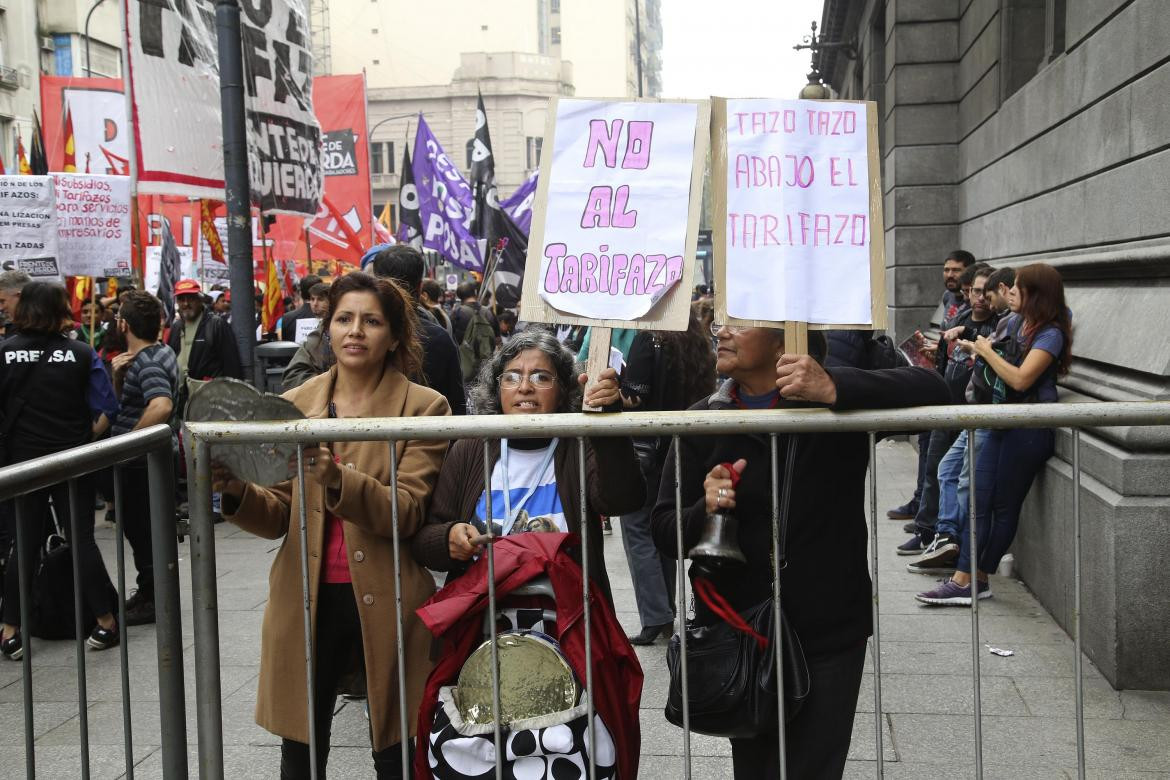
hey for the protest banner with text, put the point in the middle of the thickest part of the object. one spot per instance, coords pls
(616, 217)
(798, 234)
(174, 69)
(28, 227)
(93, 224)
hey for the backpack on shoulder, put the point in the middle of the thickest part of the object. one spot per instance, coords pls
(479, 342)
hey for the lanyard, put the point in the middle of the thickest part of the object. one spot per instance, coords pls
(510, 513)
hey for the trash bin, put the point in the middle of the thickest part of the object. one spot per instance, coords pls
(273, 356)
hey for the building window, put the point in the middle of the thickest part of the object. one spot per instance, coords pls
(1024, 28)
(381, 157)
(376, 161)
(532, 152)
(377, 62)
(554, 6)
(390, 161)
(554, 36)
(374, 31)
(1054, 16)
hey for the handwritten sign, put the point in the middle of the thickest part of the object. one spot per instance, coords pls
(615, 207)
(93, 224)
(304, 328)
(799, 227)
(28, 227)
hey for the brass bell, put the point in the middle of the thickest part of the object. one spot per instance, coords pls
(719, 542)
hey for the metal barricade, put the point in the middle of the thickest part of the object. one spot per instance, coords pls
(578, 426)
(20, 480)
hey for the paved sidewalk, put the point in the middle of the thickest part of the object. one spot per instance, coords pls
(1028, 725)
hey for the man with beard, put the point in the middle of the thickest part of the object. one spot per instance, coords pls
(204, 343)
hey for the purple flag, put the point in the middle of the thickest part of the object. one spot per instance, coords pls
(444, 202)
(519, 203)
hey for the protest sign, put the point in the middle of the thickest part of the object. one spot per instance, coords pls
(798, 233)
(28, 227)
(97, 110)
(187, 266)
(616, 217)
(304, 328)
(93, 224)
(174, 69)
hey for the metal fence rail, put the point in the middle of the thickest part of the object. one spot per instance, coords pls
(578, 426)
(20, 480)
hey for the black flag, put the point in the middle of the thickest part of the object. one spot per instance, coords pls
(38, 161)
(492, 222)
(169, 270)
(410, 228)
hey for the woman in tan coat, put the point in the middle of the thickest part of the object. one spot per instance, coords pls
(372, 328)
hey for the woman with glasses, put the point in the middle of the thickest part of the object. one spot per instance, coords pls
(826, 603)
(535, 483)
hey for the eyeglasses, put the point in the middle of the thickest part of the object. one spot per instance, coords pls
(732, 329)
(541, 380)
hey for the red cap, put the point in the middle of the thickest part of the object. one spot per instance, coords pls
(227, 295)
(187, 287)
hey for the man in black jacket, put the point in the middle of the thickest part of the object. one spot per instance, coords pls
(403, 264)
(828, 605)
(204, 343)
(288, 323)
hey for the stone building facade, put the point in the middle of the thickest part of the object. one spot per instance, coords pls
(1039, 130)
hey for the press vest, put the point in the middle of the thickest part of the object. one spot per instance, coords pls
(56, 413)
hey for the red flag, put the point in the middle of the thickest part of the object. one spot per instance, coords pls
(22, 166)
(70, 160)
(273, 300)
(207, 228)
(82, 290)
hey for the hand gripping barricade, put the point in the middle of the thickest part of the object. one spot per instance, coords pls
(551, 745)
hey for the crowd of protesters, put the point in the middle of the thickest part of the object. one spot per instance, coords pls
(388, 342)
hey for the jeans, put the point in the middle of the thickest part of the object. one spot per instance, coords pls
(135, 516)
(817, 739)
(95, 580)
(927, 517)
(953, 484)
(339, 639)
(652, 573)
(1004, 471)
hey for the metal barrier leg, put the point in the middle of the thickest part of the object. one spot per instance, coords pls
(24, 572)
(205, 608)
(310, 677)
(124, 644)
(590, 736)
(491, 559)
(1080, 683)
(403, 720)
(778, 638)
(78, 626)
(172, 701)
(682, 608)
(975, 656)
(876, 646)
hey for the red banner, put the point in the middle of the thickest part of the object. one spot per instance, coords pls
(341, 230)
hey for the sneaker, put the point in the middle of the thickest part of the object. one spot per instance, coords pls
(103, 638)
(910, 528)
(917, 567)
(951, 594)
(943, 552)
(913, 546)
(905, 512)
(12, 647)
(140, 609)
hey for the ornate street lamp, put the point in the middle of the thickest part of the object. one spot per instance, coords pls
(816, 88)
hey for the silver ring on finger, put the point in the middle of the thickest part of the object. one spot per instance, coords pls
(722, 492)
(312, 461)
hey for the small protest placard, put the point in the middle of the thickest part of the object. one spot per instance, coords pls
(615, 221)
(304, 328)
(798, 233)
(28, 227)
(93, 224)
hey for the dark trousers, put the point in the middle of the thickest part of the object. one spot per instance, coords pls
(817, 739)
(1004, 470)
(339, 640)
(927, 517)
(135, 516)
(95, 580)
(652, 573)
(923, 447)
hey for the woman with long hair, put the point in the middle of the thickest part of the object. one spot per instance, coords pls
(1038, 335)
(373, 331)
(666, 371)
(54, 395)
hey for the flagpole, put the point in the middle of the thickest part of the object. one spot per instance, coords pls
(369, 142)
(137, 271)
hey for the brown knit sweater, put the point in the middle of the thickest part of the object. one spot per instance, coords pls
(614, 486)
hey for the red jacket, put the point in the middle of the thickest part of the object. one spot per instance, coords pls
(456, 614)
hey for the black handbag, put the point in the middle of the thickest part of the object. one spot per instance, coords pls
(731, 673)
(987, 387)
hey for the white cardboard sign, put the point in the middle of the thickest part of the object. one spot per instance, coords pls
(93, 224)
(614, 238)
(28, 227)
(799, 227)
(305, 326)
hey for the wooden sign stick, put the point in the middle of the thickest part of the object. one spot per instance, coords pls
(600, 340)
(796, 338)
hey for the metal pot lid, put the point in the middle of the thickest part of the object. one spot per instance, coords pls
(535, 679)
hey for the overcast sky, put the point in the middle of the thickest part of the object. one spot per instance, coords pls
(735, 48)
